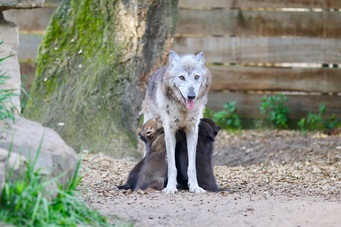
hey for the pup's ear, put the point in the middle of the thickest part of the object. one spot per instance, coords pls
(200, 57)
(173, 58)
(217, 129)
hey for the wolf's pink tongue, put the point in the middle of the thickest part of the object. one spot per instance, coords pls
(189, 104)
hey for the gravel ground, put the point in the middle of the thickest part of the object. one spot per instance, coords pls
(268, 178)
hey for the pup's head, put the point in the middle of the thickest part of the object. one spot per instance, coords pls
(213, 125)
(208, 130)
(150, 129)
(189, 76)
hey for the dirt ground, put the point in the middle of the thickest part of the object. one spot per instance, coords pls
(268, 178)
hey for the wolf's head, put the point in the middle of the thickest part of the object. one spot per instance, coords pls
(189, 76)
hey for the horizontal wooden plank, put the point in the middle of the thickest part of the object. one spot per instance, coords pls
(326, 80)
(259, 23)
(30, 20)
(299, 105)
(336, 4)
(262, 49)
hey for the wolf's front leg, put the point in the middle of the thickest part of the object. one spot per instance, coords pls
(172, 172)
(192, 139)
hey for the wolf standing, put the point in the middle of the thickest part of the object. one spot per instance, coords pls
(178, 94)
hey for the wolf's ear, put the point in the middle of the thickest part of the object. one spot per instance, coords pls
(200, 57)
(173, 58)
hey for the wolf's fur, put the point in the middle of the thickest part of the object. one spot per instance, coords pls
(206, 179)
(151, 171)
(178, 93)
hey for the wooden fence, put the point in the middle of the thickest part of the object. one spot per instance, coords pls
(252, 47)
(258, 47)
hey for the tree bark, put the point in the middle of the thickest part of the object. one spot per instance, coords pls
(92, 70)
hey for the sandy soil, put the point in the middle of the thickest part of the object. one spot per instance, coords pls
(268, 178)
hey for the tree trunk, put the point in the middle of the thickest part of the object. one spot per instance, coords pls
(92, 70)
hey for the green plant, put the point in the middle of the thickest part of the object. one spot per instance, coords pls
(332, 123)
(6, 107)
(274, 110)
(26, 202)
(208, 113)
(317, 122)
(227, 118)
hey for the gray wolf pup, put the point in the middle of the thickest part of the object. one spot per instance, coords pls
(151, 171)
(206, 179)
(178, 93)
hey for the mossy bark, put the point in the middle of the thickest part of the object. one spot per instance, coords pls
(92, 69)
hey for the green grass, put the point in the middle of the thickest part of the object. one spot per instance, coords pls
(6, 107)
(26, 201)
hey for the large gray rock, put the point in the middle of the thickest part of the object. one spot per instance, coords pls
(25, 138)
(9, 35)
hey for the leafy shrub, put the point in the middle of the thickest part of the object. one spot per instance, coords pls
(274, 110)
(227, 118)
(317, 122)
(332, 123)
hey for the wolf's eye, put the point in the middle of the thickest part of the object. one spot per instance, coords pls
(196, 77)
(182, 77)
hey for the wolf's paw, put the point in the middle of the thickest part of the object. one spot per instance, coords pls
(170, 190)
(197, 190)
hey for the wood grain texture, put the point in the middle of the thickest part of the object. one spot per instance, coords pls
(266, 31)
(262, 49)
(259, 23)
(299, 105)
(326, 80)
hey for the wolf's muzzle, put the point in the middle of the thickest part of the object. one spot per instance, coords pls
(191, 94)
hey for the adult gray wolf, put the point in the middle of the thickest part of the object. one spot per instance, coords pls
(205, 147)
(178, 93)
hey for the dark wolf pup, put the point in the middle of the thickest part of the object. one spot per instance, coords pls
(205, 173)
